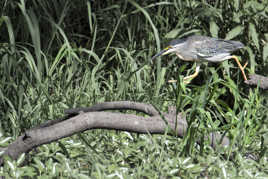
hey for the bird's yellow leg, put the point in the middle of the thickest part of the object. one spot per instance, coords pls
(245, 65)
(187, 79)
(240, 66)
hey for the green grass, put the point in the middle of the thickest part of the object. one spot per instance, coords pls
(78, 53)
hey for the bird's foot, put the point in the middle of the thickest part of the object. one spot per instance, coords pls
(185, 81)
(172, 81)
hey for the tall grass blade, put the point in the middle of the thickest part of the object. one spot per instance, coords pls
(33, 26)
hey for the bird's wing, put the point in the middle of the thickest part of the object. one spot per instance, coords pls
(214, 47)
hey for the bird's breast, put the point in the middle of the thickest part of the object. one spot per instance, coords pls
(186, 57)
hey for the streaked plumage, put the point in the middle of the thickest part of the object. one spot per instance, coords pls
(203, 49)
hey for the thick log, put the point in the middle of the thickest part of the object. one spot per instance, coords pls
(82, 119)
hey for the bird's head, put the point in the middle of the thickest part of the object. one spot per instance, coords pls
(174, 46)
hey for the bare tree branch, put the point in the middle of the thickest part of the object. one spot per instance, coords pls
(255, 80)
(117, 105)
(155, 124)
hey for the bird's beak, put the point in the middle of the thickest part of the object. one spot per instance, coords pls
(163, 52)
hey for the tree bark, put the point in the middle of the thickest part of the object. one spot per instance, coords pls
(82, 119)
(256, 80)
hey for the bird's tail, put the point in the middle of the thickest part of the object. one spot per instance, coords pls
(237, 44)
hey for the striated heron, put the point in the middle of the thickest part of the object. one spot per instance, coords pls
(203, 49)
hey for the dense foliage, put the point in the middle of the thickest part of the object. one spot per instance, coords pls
(65, 53)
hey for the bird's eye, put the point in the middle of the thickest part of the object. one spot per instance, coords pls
(169, 47)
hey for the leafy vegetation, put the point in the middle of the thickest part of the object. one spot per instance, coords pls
(63, 54)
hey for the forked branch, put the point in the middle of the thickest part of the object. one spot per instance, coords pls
(82, 119)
